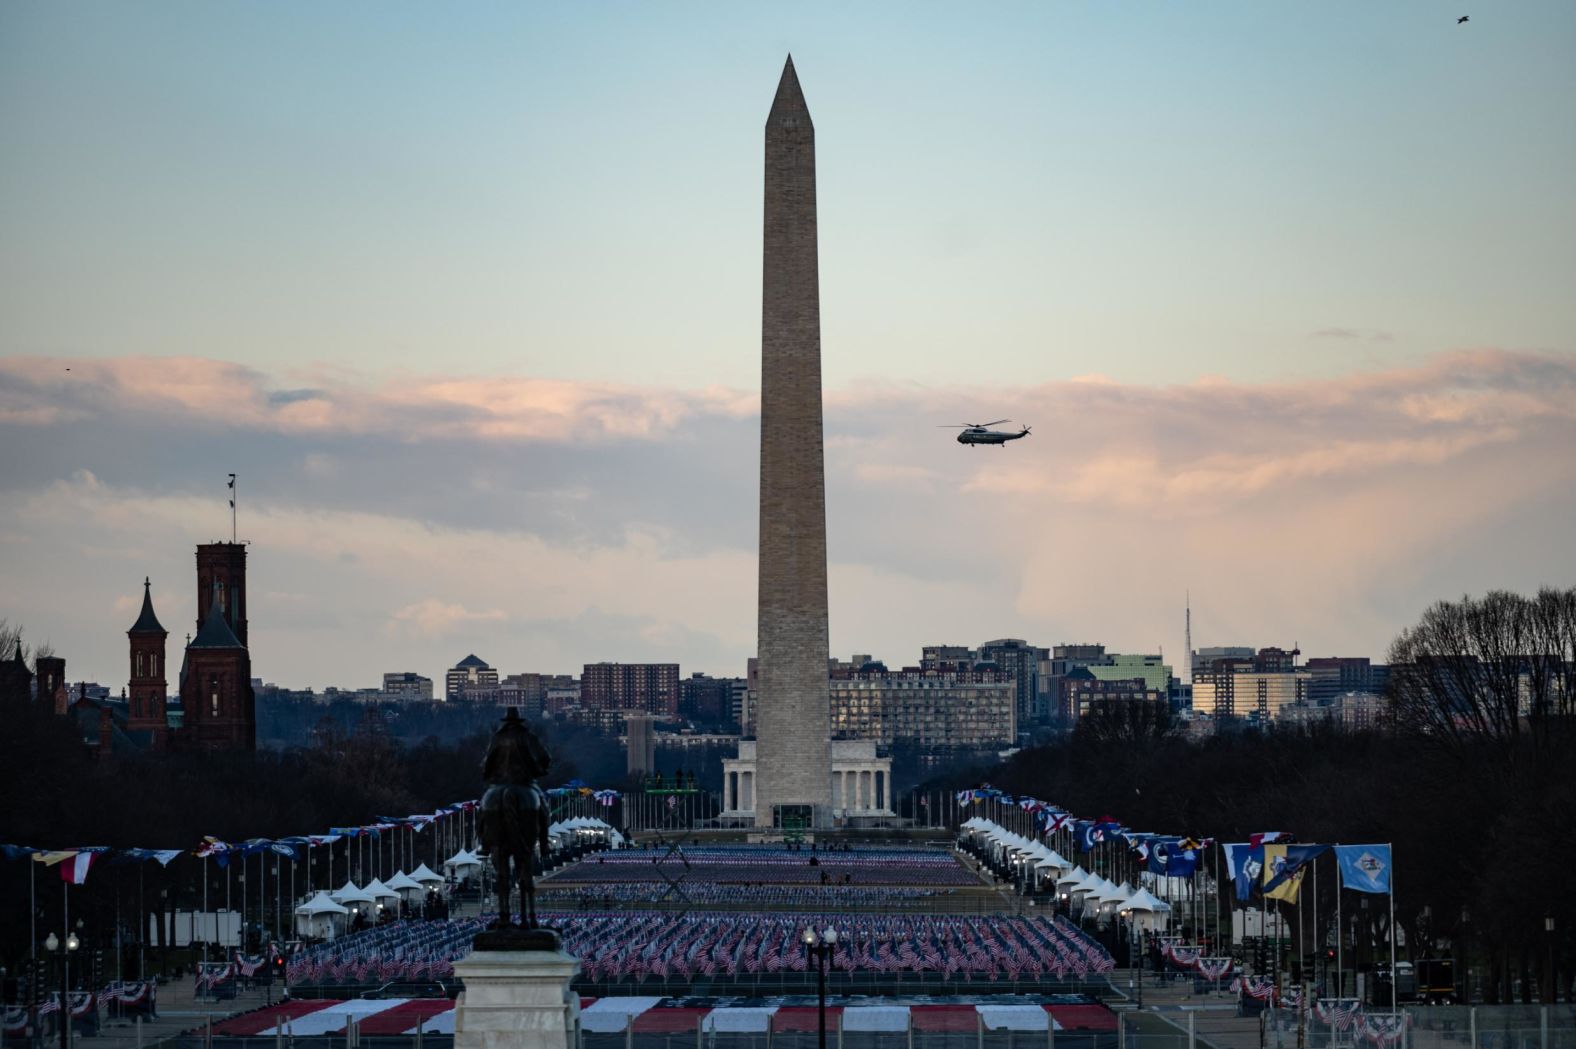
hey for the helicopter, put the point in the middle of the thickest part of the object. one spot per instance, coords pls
(981, 433)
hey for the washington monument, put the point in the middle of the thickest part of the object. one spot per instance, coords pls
(793, 728)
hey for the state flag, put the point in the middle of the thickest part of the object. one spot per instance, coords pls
(1365, 868)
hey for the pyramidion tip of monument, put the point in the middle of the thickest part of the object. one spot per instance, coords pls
(789, 101)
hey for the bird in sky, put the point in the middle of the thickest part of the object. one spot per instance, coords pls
(1463, 18)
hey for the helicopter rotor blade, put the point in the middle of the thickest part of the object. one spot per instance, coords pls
(993, 422)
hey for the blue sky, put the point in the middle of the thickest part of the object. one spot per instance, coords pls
(372, 200)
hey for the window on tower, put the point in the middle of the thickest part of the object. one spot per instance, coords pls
(213, 695)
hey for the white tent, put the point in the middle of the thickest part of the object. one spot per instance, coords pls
(349, 893)
(1116, 893)
(1085, 892)
(1148, 912)
(1144, 900)
(1053, 859)
(1071, 878)
(463, 862)
(425, 876)
(319, 917)
(322, 903)
(378, 891)
(403, 883)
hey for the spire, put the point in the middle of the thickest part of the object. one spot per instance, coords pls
(147, 622)
(788, 107)
(215, 632)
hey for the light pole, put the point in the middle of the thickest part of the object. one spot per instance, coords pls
(820, 948)
(1548, 937)
(1463, 953)
(1135, 957)
(53, 946)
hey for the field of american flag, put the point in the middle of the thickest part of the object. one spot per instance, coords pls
(635, 949)
(865, 866)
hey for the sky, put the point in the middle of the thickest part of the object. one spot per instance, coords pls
(468, 296)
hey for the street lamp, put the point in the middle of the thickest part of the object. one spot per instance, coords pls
(52, 945)
(1548, 937)
(1134, 957)
(820, 948)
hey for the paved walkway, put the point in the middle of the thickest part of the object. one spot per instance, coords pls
(1216, 1024)
(179, 1010)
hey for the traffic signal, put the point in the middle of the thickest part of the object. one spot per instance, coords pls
(279, 967)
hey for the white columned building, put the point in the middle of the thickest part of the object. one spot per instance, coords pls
(861, 782)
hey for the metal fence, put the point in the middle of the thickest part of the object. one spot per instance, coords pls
(702, 1037)
(1422, 1027)
(706, 1037)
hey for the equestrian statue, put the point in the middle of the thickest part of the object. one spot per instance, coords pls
(513, 815)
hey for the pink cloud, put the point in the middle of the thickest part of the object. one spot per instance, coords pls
(40, 391)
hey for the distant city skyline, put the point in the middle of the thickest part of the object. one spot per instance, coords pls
(471, 305)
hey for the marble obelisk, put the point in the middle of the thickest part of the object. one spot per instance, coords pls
(793, 726)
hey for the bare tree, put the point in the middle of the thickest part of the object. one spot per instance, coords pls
(1131, 721)
(10, 637)
(1495, 672)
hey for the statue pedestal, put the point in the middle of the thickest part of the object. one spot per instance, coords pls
(516, 999)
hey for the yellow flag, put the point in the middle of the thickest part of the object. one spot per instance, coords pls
(1287, 888)
(49, 859)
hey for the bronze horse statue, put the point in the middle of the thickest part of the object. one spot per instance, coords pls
(513, 814)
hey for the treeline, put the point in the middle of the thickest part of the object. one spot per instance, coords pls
(59, 794)
(1472, 778)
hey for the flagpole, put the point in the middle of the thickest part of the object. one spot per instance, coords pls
(207, 914)
(1340, 931)
(1318, 940)
(1394, 980)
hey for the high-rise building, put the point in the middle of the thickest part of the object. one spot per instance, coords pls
(962, 709)
(1053, 671)
(525, 692)
(793, 733)
(1203, 657)
(932, 656)
(643, 688)
(1151, 669)
(1250, 687)
(1021, 661)
(471, 680)
(1334, 675)
(1081, 690)
(407, 684)
(709, 699)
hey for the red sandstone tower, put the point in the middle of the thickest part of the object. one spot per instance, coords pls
(51, 680)
(146, 692)
(221, 576)
(218, 707)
